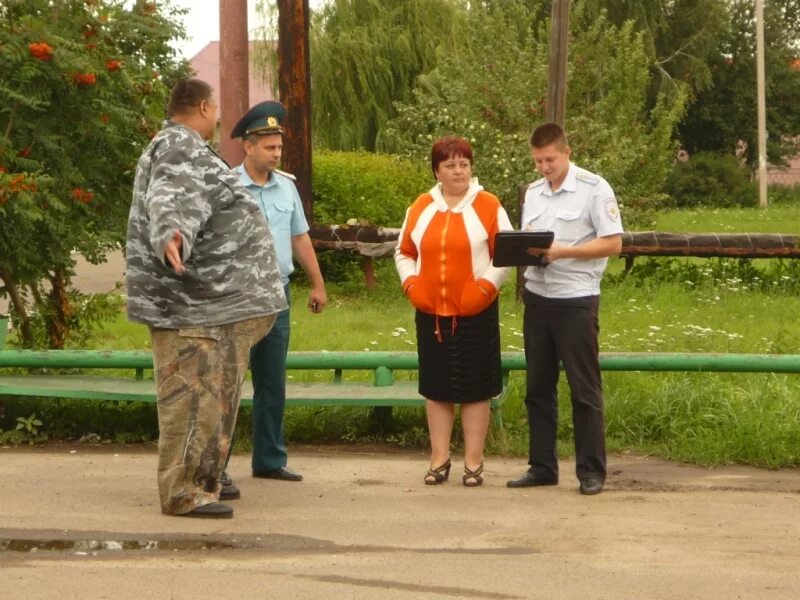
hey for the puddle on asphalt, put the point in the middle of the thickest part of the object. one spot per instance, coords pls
(92, 544)
(23, 545)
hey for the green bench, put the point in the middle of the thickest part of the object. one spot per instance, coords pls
(384, 389)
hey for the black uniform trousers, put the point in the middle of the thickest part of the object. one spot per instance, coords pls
(564, 329)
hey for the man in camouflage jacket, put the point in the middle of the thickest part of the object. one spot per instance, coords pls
(202, 274)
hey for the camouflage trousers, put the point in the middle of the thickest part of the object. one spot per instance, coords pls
(199, 373)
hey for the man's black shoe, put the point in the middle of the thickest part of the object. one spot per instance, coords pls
(230, 492)
(530, 480)
(591, 486)
(281, 473)
(215, 510)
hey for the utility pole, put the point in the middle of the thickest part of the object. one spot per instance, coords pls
(556, 107)
(234, 76)
(557, 84)
(762, 109)
(294, 83)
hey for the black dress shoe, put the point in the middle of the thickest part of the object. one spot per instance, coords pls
(225, 479)
(230, 492)
(591, 486)
(281, 473)
(215, 510)
(530, 480)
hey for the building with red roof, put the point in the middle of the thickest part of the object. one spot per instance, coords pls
(206, 67)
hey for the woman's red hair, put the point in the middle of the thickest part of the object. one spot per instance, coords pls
(447, 147)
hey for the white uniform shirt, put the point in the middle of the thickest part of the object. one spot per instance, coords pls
(582, 209)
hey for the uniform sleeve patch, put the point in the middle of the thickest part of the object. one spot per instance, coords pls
(612, 209)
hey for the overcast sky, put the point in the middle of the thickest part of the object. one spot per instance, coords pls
(202, 22)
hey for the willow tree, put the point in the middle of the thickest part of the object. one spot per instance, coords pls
(365, 56)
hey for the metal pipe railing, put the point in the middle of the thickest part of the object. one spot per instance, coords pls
(514, 361)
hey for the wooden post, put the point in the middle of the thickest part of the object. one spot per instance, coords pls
(368, 268)
(557, 84)
(294, 82)
(234, 76)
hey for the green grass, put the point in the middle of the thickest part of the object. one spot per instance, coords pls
(701, 418)
(666, 305)
(121, 334)
(777, 218)
(706, 418)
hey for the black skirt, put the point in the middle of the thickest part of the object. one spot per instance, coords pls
(460, 363)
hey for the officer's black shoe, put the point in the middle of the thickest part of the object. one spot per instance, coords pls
(215, 510)
(230, 492)
(281, 473)
(591, 486)
(225, 479)
(530, 480)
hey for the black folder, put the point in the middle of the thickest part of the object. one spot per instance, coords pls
(511, 247)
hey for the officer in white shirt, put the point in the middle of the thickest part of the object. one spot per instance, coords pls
(562, 298)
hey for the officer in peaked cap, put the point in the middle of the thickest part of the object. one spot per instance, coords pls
(261, 130)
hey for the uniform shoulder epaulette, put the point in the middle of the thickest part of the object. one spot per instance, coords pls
(537, 183)
(587, 177)
(285, 174)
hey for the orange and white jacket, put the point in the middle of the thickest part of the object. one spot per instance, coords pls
(444, 256)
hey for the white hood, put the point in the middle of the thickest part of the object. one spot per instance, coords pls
(469, 197)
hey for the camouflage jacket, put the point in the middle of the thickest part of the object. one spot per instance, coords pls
(231, 270)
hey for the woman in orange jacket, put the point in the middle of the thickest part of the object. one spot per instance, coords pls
(444, 259)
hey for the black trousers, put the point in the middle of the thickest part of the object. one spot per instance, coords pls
(564, 329)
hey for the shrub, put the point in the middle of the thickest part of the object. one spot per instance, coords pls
(374, 189)
(88, 311)
(784, 194)
(710, 179)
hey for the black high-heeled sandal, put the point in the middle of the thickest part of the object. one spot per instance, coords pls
(473, 478)
(439, 474)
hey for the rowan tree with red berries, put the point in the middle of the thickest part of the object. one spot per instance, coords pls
(83, 88)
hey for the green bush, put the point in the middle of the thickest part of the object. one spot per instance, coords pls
(784, 194)
(710, 179)
(66, 419)
(374, 189)
(88, 312)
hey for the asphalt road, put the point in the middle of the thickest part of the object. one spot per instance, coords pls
(363, 525)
